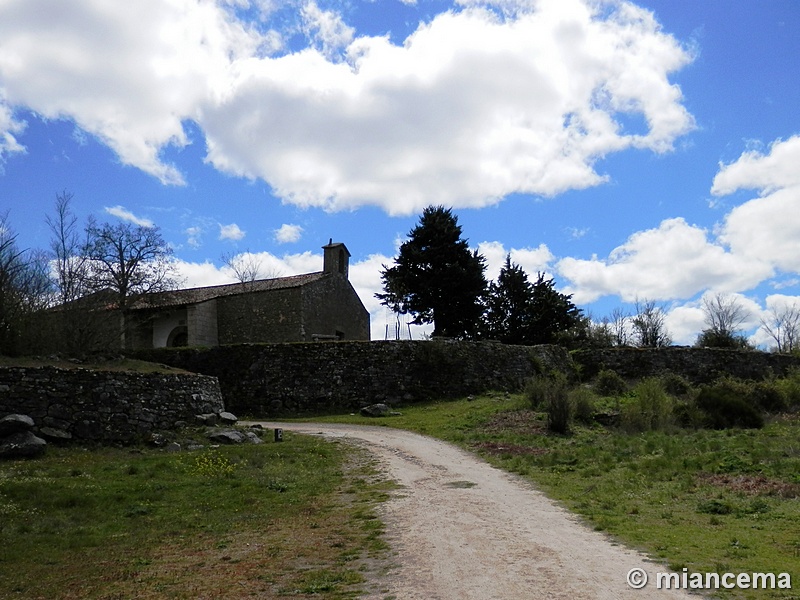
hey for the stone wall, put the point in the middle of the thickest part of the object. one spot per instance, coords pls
(105, 406)
(311, 378)
(698, 365)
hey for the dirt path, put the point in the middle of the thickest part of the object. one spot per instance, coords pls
(466, 530)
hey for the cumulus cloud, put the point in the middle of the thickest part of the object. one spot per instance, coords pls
(10, 128)
(122, 213)
(128, 73)
(532, 260)
(288, 234)
(230, 232)
(766, 228)
(471, 107)
(754, 170)
(673, 261)
(326, 29)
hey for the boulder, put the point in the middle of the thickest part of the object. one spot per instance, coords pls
(23, 444)
(12, 424)
(378, 410)
(226, 436)
(227, 418)
(55, 434)
(207, 419)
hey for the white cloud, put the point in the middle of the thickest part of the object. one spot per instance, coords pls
(754, 170)
(326, 29)
(766, 228)
(230, 232)
(10, 128)
(675, 260)
(532, 260)
(126, 72)
(288, 234)
(471, 107)
(122, 213)
(193, 236)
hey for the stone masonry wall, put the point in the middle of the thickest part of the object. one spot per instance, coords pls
(106, 406)
(306, 378)
(698, 365)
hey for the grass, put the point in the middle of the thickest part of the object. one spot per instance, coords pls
(709, 501)
(110, 364)
(273, 520)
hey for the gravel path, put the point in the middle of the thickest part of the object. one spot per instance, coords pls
(466, 530)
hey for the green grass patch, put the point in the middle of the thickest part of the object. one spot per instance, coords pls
(270, 520)
(708, 500)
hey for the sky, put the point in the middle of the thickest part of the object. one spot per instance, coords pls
(643, 150)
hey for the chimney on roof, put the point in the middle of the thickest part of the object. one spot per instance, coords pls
(336, 259)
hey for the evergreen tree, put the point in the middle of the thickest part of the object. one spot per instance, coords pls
(521, 312)
(436, 277)
(552, 312)
(508, 306)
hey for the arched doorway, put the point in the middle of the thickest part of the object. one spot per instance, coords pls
(178, 337)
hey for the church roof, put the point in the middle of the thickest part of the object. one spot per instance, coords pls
(203, 294)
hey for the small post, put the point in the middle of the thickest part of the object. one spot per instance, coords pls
(278, 435)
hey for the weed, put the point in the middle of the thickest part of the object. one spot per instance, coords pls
(724, 408)
(609, 383)
(649, 409)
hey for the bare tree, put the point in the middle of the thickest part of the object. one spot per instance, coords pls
(127, 261)
(79, 323)
(649, 327)
(724, 316)
(245, 266)
(782, 324)
(24, 289)
(70, 263)
(619, 324)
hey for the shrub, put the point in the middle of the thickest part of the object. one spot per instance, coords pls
(584, 401)
(649, 409)
(676, 385)
(609, 383)
(725, 408)
(764, 395)
(687, 414)
(552, 395)
(790, 388)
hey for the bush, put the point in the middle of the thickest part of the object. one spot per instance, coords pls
(764, 395)
(609, 383)
(552, 395)
(725, 408)
(649, 409)
(583, 401)
(676, 385)
(790, 388)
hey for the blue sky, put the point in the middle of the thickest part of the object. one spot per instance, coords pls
(643, 150)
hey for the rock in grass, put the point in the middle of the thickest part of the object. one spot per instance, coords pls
(226, 436)
(23, 444)
(11, 424)
(227, 418)
(378, 410)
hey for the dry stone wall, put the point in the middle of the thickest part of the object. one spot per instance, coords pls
(698, 365)
(105, 406)
(312, 378)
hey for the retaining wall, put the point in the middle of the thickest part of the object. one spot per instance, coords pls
(314, 378)
(106, 406)
(698, 365)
